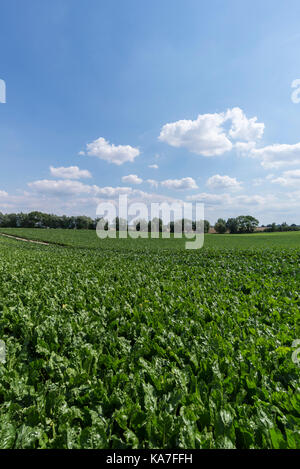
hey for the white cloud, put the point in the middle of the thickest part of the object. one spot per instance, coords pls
(203, 136)
(112, 191)
(243, 148)
(72, 172)
(277, 155)
(243, 128)
(237, 201)
(295, 97)
(153, 166)
(288, 178)
(180, 184)
(268, 208)
(146, 197)
(117, 154)
(61, 187)
(223, 182)
(245, 200)
(68, 187)
(152, 182)
(207, 136)
(210, 199)
(132, 179)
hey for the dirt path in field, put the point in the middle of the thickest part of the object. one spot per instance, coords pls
(24, 239)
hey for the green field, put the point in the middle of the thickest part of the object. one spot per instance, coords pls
(88, 239)
(142, 344)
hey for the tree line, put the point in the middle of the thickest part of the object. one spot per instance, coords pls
(241, 224)
(46, 220)
(156, 225)
(249, 224)
(273, 227)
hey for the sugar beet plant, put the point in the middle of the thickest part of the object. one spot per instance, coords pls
(119, 348)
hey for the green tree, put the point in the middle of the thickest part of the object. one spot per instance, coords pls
(172, 226)
(246, 224)
(232, 225)
(206, 226)
(201, 222)
(220, 226)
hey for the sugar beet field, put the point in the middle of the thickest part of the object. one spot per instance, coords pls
(142, 344)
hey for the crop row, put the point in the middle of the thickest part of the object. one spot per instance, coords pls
(132, 349)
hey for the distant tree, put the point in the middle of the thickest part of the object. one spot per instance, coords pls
(242, 224)
(83, 223)
(220, 226)
(232, 225)
(246, 224)
(201, 223)
(141, 225)
(283, 227)
(12, 220)
(35, 220)
(21, 217)
(206, 226)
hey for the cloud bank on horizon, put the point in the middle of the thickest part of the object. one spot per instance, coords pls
(208, 136)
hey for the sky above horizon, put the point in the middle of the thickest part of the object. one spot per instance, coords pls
(165, 101)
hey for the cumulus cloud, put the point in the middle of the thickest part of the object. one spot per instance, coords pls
(277, 155)
(243, 128)
(153, 166)
(71, 172)
(68, 187)
(210, 199)
(243, 148)
(267, 208)
(116, 154)
(288, 178)
(223, 182)
(61, 187)
(180, 184)
(203, 136)
(132, 179)
(207, 135)
(112, 191)
(228, 200)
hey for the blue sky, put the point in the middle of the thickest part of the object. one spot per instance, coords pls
(91, 86)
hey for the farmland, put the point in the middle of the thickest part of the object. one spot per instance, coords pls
(141, 344)
(88, 239)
